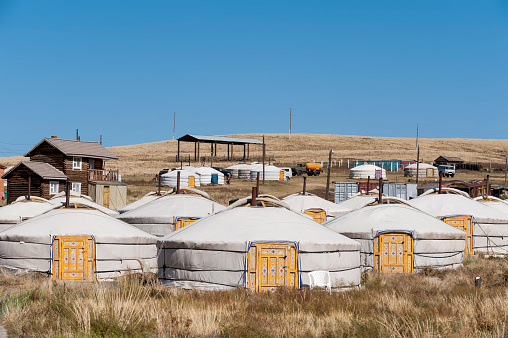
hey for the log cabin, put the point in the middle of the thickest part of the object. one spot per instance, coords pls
(2, 193)
(53, 161)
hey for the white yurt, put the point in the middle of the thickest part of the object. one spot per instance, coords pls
(494, 202)
(149, 197)
(258, 248)
(318, 208)
(22, 209)
(187, 179)
(244, 170)
(398, 238)
(445, 190)
(233, 169)
(205, 175)
(272, 173)
(486, 227)
(78, 201)
(365, 171)
(424, 170)
(75, 244)
(171, 212)
(360, 201)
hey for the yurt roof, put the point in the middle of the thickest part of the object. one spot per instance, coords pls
(72, 194)
(206, 170)
(368, 222)
(360, 201)
(60, 201)
(59, 222)
(183, 172)
(11, 213)
(367, 167)
(268, 167)
(444, 205)
(233, 229)
(163, 209)
(300, 202)
(136, 204)
(421, 166)
(457, 191)
(499, 205)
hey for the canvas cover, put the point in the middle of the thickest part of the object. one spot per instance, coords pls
(158, 217)
(211, 253)
(365, 170)
(205, 175)
(21, 209)
(149, 197)
(300, 202)
(490, 228)
(119, 246)
(411, 170)
(436, 243)
(85, 200)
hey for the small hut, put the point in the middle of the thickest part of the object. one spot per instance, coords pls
(421, 169)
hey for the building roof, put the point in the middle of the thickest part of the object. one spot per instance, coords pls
(2, 167)
(219, 139)
(44, 170)
(76, 148)
(449, 159)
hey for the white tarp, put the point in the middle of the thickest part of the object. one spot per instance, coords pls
(436, 243)
(211, 253)
(158, 217)
(490, 229)
(119, 246)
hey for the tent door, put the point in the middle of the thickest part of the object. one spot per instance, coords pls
(105, 196)
(318, 216)
(271, 266)
(464, 223)
(184, 221)
(393, 253)
(430, 172)
(73, 258)
(191, 182)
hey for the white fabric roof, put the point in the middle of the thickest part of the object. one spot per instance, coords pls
(421, 166)
(498, 205)
(206, 170)
(232, 229)
(366, 222)
(11, 213)
(442, 205)
(136, 204)
(458, 191)
(163, 209)
(104, 228)
(299, 202)
(59, 201)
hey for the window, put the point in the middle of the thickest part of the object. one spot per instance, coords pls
(76, 163)
(92, 163)
(53, 187)
(76, 187)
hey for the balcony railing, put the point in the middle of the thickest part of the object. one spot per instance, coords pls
(103, 175)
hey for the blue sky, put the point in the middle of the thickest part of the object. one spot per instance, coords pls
(121, 68)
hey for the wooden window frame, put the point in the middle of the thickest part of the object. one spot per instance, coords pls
(75, 161)
(72, 187)
(53, 183)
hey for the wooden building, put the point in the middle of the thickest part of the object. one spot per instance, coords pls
(2, 191)
(448, 160)
(54, 160)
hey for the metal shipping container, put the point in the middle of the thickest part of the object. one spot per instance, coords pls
(405, 191)
(345, 190)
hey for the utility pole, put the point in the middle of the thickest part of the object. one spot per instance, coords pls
(417, 134)
(328, 175)
(264, 149)
(417, 163)
(505, 169)
(289, 121)
(174, 124)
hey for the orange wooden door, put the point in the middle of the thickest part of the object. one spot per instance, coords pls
(464, 223)
(393, 253)
(73, 258)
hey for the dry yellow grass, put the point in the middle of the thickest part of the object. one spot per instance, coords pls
(432, 303)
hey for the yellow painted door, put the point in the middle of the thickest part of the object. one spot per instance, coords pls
(271, 266)
(430, 172)
(318, 216)
(282, 175)
(73, 258)
(464, 223)
(184, 221)
(191, 182)
(393, 253)
(105, 197)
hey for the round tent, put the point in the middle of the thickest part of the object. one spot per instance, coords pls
(77, 245)
(424, 170)
(360, 201)
(244, 170)
(272, 173)
(398, 238)
(149, 197)
(486, 227)
(233, 169)
(187, 178)
(23, 209)
(170, 212)
(494, 202)
(81, 202)
(445, 190)
(313, 205)
(258, 248)
(365, 171)
(205, 175)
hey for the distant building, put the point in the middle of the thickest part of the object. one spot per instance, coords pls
(2, 191)
(448, 160)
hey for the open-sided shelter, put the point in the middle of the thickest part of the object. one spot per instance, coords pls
(259, 248)
(398, 238)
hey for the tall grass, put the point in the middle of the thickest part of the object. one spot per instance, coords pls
(432, 303)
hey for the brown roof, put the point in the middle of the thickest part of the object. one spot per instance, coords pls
(44, 170)
(2, 167)
(450, 159)
(77, 148)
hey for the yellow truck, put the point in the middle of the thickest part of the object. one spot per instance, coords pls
(312, 169)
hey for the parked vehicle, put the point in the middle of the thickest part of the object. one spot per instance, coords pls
(312, 169)
(288, 173)
(447, 170)
(225, 172)
(162, 172)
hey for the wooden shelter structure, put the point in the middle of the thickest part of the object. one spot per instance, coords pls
(213, 141)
